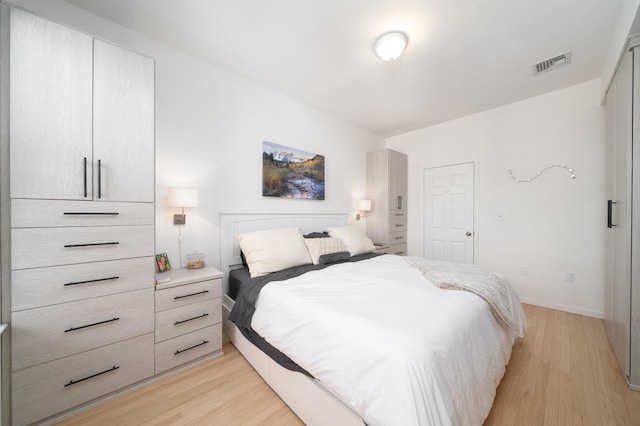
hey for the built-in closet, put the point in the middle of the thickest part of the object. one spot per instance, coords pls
(387, 188)
(78, 216)
(622, 298)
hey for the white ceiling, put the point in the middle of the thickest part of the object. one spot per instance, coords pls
(464, 56)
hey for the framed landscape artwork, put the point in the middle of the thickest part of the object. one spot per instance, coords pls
(291, 173)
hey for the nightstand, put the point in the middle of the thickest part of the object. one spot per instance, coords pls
(188, 319)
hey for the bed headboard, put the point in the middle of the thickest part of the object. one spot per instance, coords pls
(233, 224)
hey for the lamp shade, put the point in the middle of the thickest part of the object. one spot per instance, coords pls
(390, 45)
(364, 205)
(182, 197)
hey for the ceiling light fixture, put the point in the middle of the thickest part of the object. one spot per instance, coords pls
(390, 45)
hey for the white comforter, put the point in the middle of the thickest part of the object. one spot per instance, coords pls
(389, 344)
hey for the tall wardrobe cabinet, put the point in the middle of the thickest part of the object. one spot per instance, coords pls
(387, 190)
(622, 298)
(81, 143)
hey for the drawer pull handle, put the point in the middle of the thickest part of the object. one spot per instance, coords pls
(399, 214)
(399, 225)
(191, 319)
(192, 294)
(91, 325)
(92, 213)
(92, 244)
(91, 281)
(179, 351)
(73, 382)
(399, 238)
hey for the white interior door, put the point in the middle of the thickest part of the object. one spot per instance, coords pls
(448, 213)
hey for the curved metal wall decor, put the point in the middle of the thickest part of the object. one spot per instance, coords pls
(550, 166)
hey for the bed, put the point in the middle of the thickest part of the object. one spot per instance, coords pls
(370, 339)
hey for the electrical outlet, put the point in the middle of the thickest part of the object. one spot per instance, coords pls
(524, 271)
(568, 277)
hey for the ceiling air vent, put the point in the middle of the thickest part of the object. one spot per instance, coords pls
(552, 63)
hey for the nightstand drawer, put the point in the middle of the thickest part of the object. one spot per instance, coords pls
(174, 297)
(175, 322)
(52, 332)
(38, 247)
(185, 348)
(399, 249)
(55, 386)
(61, 213)
(33, 288)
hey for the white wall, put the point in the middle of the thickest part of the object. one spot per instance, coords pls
(210, 125)
(552, 225)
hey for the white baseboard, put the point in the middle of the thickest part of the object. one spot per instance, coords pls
(564, 308)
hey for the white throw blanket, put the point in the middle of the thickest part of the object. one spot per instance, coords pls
(491, 287)
(389, 344)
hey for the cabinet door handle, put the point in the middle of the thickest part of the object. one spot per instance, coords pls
(112, 243)
(191, 319)
(610, 204)
(91, 325)
(399, 202)
(179, 351)
(99, 179)
(91, 281)
(192, 294)
(73, 382)
(85, 178)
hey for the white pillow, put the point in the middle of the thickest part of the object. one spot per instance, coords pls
(319, 246)
(353, 238)
(273, 250)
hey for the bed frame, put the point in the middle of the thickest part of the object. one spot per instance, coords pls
(311, 402)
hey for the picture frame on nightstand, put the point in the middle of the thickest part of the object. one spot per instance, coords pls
(162, 260)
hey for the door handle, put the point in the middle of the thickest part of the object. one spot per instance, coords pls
(468, 233)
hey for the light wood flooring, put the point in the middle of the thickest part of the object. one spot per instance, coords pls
(562, 373)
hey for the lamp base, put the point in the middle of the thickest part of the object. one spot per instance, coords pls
(179, 219)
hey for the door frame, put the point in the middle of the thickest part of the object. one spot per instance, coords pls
(476, 198)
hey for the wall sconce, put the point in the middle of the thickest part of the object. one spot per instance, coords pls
(363, 206)
(182, 197)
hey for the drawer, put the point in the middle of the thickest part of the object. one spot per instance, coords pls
(60, 213)
(175, 297)
(397, 214)
(397, 224)
(178, 321)
(33, 288)
(179, 350)
(399, 249)
(38, 247)
(397, 237)
(45, 390)
(52, 332)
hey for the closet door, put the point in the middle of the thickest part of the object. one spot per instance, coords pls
(397, 181)
(50, 109)
(618, 235)
(123, 125)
